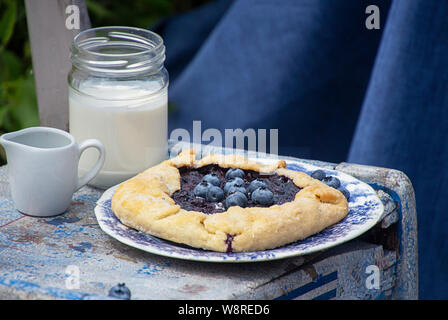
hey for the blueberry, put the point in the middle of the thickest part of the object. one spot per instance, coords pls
(332, 182)
(233, 173)
(236, 199)
(120, 291)
(201, 189)
(262, 196)
(212, 179)
(318, 174)
(345, 192)
(255, 184)
(214, 194)
(234, 188)
(237, 182)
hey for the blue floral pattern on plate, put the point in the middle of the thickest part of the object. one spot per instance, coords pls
(365, 210)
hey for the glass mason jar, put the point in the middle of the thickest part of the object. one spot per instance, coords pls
(118, 94)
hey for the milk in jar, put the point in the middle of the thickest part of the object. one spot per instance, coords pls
(118, 94)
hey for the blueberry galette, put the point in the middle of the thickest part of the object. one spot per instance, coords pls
(228, 203)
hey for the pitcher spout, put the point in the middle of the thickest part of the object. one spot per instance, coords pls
(36, 139)
(6, 142)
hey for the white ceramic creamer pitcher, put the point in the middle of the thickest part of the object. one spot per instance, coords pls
(43, 168)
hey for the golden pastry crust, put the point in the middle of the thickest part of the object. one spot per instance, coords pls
(144, 203)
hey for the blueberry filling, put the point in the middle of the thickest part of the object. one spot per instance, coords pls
(257, 183)
(262, 196)
(235, 182)
(345, 192)
(236, 198)
(232, 190)
(318, 174)
(331, 182)
(229, 242)
(234, 173)
(201, 189)
(212, 179)
(120, 291)
(214, 194)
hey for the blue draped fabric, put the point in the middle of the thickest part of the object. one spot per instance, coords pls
(335, 90)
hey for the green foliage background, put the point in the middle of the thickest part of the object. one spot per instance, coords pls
(18, 107)
(18, 104)
(136, 13)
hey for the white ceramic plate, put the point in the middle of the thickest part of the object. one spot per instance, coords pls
(365, 210)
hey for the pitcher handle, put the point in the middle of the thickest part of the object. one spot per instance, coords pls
(91, 143)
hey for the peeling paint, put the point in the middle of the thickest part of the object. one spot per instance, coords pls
(81, 247)
(62, 220)
(193, 288)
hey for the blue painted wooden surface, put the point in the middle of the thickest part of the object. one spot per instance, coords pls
(37, 254)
